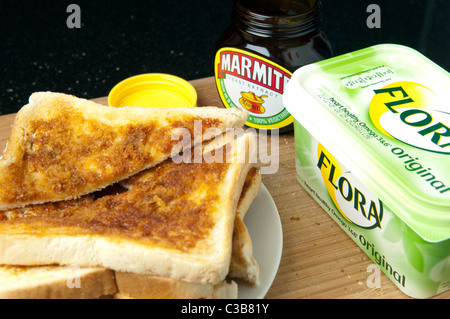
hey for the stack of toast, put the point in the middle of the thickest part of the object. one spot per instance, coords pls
(125, 202)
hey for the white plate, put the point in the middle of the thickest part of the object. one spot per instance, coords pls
(264, 225)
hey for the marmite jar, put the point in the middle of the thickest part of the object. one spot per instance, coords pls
(256, 56)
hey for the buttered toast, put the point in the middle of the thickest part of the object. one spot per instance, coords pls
(178, 224)
(62, 147)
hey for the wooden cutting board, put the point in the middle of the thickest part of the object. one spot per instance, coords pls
(319, 260)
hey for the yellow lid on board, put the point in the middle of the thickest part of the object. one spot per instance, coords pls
(153, 90)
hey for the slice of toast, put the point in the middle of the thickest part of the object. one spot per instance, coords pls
(62, 147)
(243, 264)
(177, 226)
(55, 282)
(135, 286)
(40, 282)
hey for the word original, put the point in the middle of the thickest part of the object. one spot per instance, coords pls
(381, 261)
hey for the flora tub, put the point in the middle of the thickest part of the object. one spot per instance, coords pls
(372, 142)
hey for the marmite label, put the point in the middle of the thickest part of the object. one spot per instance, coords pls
(254, 83)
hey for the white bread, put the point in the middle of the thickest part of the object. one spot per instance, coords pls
(134, 286)
(243, 264)
(62, 147)
(250, 190)
(27, 239)
(55, 282)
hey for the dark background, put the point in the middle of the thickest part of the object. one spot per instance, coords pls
(121, 38)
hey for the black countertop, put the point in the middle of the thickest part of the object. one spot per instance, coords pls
(118, 39)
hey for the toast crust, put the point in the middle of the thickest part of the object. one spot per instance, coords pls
(250, 190)
(243, 264)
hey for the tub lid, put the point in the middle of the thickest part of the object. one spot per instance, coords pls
(384, 112)
(153, 90)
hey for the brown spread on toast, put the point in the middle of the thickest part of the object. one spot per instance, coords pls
(66, 162)
(60, 150)
(170, 207)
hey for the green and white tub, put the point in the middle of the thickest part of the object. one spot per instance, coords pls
(372, 142)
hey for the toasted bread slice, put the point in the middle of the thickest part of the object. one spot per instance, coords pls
(250, 190)
(243, 264)
(62, 147)
(55, 282)
(153, 287)
(178, 225)
(40, 282)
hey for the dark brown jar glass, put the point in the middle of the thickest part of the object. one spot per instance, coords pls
(256, 56)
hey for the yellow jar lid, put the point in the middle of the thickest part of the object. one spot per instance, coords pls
(153, 90)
